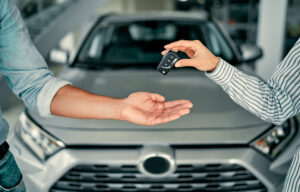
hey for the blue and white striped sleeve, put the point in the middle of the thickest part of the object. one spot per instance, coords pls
(274, 101)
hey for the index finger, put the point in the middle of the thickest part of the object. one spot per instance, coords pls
(181, 43)
(176, 49)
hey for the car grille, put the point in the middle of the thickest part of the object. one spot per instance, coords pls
(187, 178)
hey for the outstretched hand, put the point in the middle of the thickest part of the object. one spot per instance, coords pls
(200, 57)
(151, 109)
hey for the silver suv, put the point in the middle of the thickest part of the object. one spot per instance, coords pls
(218, 147)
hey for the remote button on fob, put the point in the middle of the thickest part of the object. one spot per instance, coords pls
(168, 62)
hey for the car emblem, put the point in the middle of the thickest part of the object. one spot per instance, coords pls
(157, 161)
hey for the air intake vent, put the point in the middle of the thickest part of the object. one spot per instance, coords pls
(187, 178)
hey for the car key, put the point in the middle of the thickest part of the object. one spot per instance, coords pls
(168, 62)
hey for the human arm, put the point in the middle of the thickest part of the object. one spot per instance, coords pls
(274, 101)
(140, 108)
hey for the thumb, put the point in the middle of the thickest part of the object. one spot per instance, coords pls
(185, 63)
(157, 97)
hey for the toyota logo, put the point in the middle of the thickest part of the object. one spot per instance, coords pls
(157, 161)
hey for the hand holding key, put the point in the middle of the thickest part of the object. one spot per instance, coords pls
(200, 57)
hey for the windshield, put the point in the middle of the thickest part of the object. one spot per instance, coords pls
(141, 43)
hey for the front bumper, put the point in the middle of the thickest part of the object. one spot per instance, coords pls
(41, 176)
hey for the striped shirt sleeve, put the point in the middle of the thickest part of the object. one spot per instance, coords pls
(274, 101)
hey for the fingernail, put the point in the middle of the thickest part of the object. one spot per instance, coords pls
(177, 65)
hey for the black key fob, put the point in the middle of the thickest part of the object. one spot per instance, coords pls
(168, 62)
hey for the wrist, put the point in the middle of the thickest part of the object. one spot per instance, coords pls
(107, 108)
(223, 74)
(119, 108)
(214, 63)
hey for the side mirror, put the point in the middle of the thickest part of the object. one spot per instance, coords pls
(250, 52)
(58, 56)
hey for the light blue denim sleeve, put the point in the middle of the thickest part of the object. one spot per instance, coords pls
(24, 68)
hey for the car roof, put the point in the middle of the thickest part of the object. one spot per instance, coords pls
(159, 16)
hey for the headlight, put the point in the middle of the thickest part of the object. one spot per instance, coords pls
(272, 142)
(38, 140)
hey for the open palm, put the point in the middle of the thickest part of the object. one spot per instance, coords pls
(150, 109)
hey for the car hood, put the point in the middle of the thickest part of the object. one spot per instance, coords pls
(213, 109)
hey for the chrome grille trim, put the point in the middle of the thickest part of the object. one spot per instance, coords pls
(188, 177)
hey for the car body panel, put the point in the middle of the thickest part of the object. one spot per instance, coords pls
(212, 106)
(118, 137)
(215, 118)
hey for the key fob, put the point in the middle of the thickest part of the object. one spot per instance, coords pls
(168, 62)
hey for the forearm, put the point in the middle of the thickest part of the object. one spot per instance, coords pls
(251, 93)
(274, 101)
(76, 103)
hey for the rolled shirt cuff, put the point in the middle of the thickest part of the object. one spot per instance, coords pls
(223, 74)
(47, 94)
